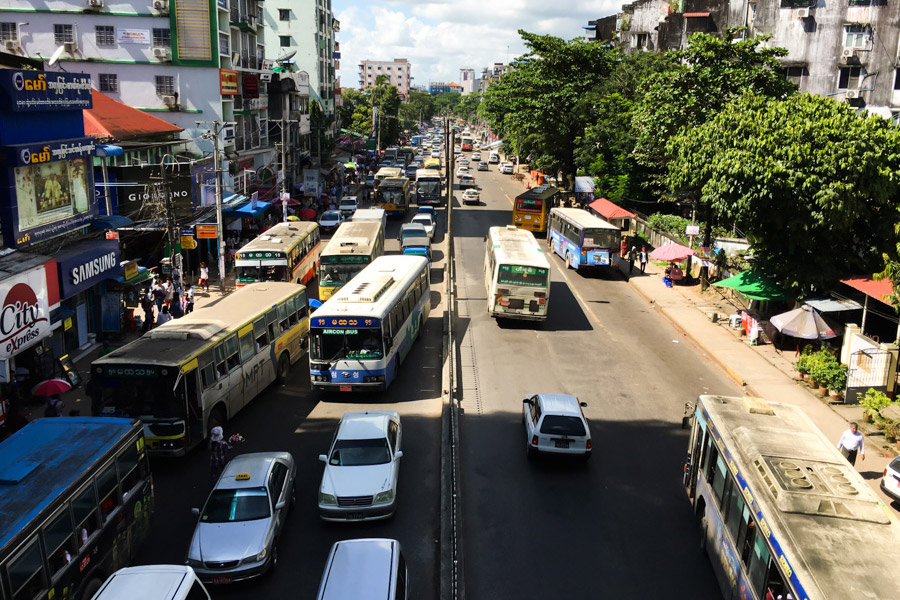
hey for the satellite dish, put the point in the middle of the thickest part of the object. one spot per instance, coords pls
(287, 56)
(55, 58)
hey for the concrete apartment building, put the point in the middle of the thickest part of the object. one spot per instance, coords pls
(845, 50)
(467, 80)
(397, 70)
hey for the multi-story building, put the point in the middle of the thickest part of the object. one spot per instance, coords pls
(490, 75)
(467, 80)
(439, 87)
(397, 70)
(845, 51)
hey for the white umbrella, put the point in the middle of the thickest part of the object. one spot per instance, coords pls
(805, 323)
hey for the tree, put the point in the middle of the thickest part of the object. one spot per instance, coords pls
(812, 184)
(419, 108)
(355, 114)
(541, 106)
(385, 98)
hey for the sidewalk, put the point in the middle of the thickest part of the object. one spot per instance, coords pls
(761, 370)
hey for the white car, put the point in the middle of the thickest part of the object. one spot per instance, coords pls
(471, 197)
(464, 170)
(330, 220)
(362, 468)
(348, 206)
(507, 168)
(890, 481)
(555, 424)
(435, 153)
(457, 149)
(463, 162)
(427, 222)
(466, 180)
(476, 156)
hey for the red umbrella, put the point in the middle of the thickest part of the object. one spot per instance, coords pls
(672, 253)
(51, 387)
(308, 214)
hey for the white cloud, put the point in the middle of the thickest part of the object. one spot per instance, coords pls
(440, 37)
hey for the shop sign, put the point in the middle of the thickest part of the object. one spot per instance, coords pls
(44, 152)
(131, 270)
(24, 311)
(87, 264)
(203, 183)
(229, 82)
(133, 36)
(188, 242)
(138, 194)
(39, 91)
(251, 85)
(310, 181)
(692, 230)
(207, 231)
(262, 103)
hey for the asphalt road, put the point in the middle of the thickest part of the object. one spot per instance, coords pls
(293, 418)
(620, 526)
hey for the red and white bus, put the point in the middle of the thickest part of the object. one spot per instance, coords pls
(284, 252)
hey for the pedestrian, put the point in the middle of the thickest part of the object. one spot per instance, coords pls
(644, 258)
(54, 406)
(164, 316)
(851, 444)
(632, 254)
(204, 277)
(218, 453)
(176, 277)
(147, 305)
(170, 292)
(159, 294)
(175, 308)
(189, 299)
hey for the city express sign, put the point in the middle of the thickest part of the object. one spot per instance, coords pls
(24, 311)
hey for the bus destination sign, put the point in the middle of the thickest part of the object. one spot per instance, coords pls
(262, 255)
(344, 322)
(340, 331)
(129, 371)
(523, 270)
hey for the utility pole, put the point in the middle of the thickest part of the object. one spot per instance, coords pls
(284, 123)
(213, 133)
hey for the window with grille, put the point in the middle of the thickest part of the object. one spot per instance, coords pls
(64, 34)
(848, 78)
(162, 37)
(105, 35)
(284, 14)
(109, 82)
(8, 31)
(284, 40)
(165, 85)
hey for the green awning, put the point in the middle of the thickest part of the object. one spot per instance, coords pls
(753, 285)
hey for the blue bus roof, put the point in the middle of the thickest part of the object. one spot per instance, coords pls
(44, 458)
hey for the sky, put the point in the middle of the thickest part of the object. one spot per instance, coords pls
(439, 37)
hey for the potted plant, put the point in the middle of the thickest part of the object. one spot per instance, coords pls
(802, 365)
(818, 370)
(892, 431)
(872, 403)
(838, 382)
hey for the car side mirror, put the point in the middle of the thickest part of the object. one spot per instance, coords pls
(399, 455)
(526, 401)
(323, 458)
(583, 404)
(280, 505)
(195, 512)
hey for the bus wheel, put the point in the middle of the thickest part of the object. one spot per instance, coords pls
(284, 368)
(92, 587)
(568, 260)
(704, 525)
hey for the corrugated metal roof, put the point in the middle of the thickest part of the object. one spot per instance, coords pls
(111, 119)
(609, 210)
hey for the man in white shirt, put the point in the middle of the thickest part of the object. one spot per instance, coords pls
(852, 443)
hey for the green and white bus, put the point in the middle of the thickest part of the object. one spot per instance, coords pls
(353, 246)
(516, 275)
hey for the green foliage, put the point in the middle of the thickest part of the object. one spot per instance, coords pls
(812, 184)
(421, 107)
(804, 363)
(355, 114)
(873, 401)
(674, 226)
(384, 96)
(892, 430)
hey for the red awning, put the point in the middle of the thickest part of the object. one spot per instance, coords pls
(112, 119)
(609, 210)
(698, 14)
(868, 286)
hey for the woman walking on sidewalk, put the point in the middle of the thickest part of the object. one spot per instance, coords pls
(204, 277)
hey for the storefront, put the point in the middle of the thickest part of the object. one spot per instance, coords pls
(94, 307)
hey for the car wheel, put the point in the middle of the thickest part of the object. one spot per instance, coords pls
(273, 562)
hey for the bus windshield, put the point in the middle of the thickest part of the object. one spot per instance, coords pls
(339, 273)
(429, 187)
(600, 238)
(391, 196)
(519, 275)
(529, 204)
(265, 273)
(333, 344)
(137, 396)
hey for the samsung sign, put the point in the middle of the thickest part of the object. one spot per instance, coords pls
(87, 264)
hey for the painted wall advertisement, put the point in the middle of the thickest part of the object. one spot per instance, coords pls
(24, 311)
(33, 91)
(140, 199)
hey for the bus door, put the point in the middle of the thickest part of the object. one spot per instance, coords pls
(188, 391)
(695, 456)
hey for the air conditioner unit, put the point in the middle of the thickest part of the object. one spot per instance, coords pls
(847, 53)
(805, 13)
(170, 100)
(95, 4)
(162, 53)
(161, 5)
(70, 47)
(13, 45)
(265, 77)
(852, 94)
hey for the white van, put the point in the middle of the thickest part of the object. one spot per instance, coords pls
(365, 569)
(494, 157)
(371, 215)
(153, 582)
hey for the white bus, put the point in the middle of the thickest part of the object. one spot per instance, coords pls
(582, 239)
(359, 337)
(428, 188)
(190, 374)
(351, 248)
(516, 274)
(386, 173)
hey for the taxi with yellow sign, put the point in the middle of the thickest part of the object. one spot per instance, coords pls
(237, 532)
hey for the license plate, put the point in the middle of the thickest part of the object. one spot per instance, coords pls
(562, 443)
(354, 516)
(346, 388)
(221, 579)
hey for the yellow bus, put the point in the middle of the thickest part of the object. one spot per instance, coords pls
(284, 252)
(433, 164)
(531, 208)
(393, 195)
(194, 373)
(353, 246)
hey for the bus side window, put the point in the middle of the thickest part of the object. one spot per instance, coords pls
(26, 573)
(271, 320)
(221, 366)
(108, 487)
(720, 474)
(291, 305)
(208, 375)
(84, 510)
(734, 509)
(58, 534)
(259, 333)
(248, 349)
(231, 351)
(129, 473)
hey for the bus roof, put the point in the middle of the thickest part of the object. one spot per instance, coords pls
(395, 181)
(389, 172)
(426, 173)
(370, 293)
(584, 218)
(353, 237)
(179, 339)
(541, 192)
(819, 508)
(45, 458)
(280, 237)
(517, 246)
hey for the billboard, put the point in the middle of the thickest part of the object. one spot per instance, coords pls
(40, 91)
(24, 311)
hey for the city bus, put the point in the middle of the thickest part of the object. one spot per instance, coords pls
(467, 143)
(428, 188)
(782, 513)
(386, 173)
(531, 208)
(360, 336)
(582, 239)
(433, 164)
(75, 505)
(284, 252)
(516, 275)
(393, 195)
(191, 374)
(353, 246)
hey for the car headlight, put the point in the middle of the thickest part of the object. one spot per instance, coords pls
(327, 499)
(385, 496)
(193, 562)
(262, 554)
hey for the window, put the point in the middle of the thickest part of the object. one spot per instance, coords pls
(165, 85)
(219, 353)
(84, 510)
(259, 333)
(855, 36)
(897, 79)
(276, 482)
(26, 575)
(64, 34)
(58, 541)
(284, 14)
(639, 40)
(231, 351)
(105, 35)
(849, 78)
(108, 486)
(109, 82)
(8, 31)
(129, 471)
(162, 37)
(248, 350)
(284, 40)
(794, 74)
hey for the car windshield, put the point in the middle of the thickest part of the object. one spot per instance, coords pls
(425, 221)
(562, 425)
(359, 453)
(233, 506)
(331, 215)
